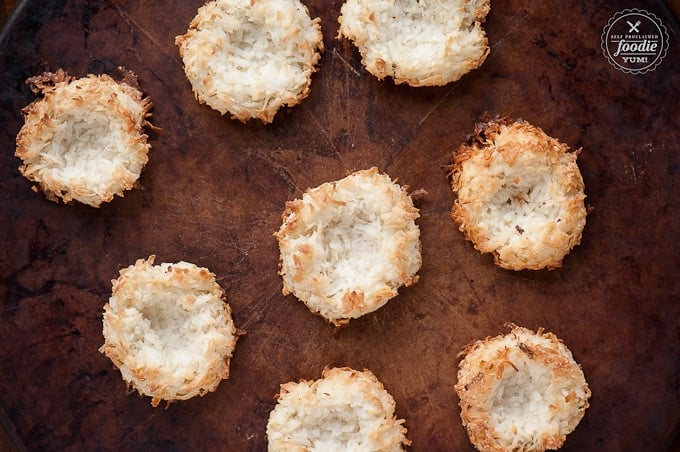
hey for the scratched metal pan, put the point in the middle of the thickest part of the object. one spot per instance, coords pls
(214, 189)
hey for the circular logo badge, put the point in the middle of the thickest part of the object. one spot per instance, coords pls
(634, 41)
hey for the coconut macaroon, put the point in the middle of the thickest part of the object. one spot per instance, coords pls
(521, 391)
(169, 330)
(348, 246)
(344, 410)
(519, 195)
(250, 57)
(421, 43)
(84, 139)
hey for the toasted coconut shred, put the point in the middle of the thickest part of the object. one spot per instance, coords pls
(348, 246)
(418, 42)
(83, 139)
(250, 58)
(520, 195)
(169, 330)
(521, 391)
(345, 410)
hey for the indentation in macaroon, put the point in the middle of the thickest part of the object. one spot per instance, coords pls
(520, 398)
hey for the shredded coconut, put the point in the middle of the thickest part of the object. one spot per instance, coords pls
(347, 246)
(419, 42)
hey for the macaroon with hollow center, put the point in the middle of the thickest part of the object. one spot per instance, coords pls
(345, 410)
(521, 391)
(84, 139)
(417, 42)
(250, 58)
(168, 329)
(519, 195)
(347, 246)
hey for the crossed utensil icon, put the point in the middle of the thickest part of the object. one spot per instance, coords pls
(633, 27)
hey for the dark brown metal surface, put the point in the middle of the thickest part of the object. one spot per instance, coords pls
(214, 189)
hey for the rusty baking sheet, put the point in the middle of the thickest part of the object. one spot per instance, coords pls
(214, 189)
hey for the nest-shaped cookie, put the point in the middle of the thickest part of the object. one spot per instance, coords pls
(521, 391)
(83, 139)
(345, 410)
(519, 195)
(169, 330)
(416, 42)
(347, 246)
(251, 58)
